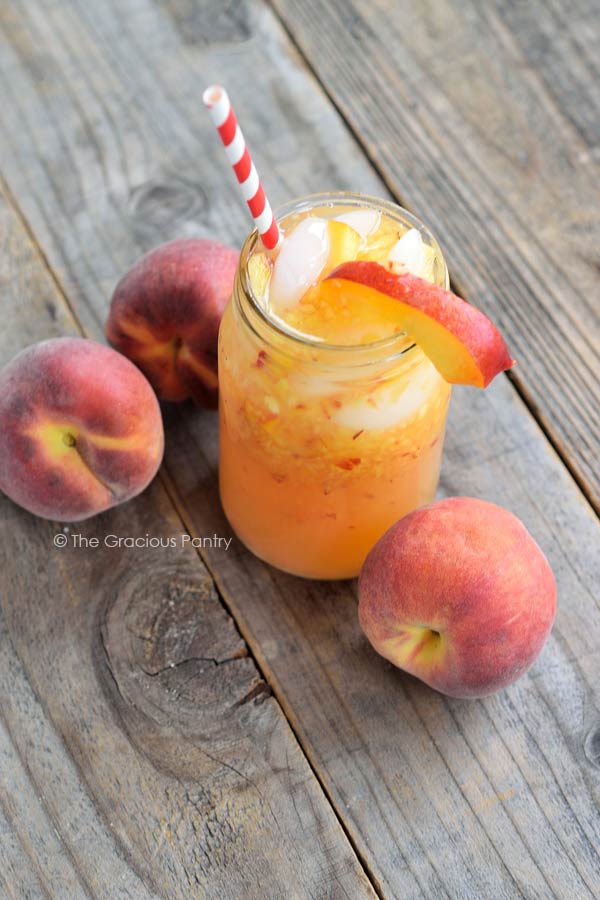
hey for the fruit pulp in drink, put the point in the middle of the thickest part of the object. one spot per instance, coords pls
(331, 419)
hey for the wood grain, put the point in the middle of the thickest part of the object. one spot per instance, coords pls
(483, 119)
(141, 752)
(442, 798)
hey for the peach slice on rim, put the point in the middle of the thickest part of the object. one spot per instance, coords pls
(461, 342)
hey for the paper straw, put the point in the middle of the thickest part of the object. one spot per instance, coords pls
(221, 112)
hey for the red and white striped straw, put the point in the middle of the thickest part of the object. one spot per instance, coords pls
(221, 112)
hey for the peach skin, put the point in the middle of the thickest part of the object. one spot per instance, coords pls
(165, 315)
(458, 594)
(80, 429)
(461, 342)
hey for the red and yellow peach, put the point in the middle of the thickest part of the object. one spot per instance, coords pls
(458, 594)
(165, 315)
(80, 429)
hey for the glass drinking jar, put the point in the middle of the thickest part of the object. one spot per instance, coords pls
(323, 447)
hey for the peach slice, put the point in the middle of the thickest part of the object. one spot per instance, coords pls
(344, 242)
(335, 311)
(462, 343)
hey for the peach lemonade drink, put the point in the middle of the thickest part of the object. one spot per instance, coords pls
(331, 418)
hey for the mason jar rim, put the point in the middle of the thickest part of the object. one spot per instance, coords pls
(306, 341)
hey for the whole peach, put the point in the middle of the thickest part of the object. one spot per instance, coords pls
(165, 315)
(459, 594)
(80, 429)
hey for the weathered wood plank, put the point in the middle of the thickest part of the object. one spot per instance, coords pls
(483, 118)
(141, 753)
(442, 798)
(18, 877)
(495, 798)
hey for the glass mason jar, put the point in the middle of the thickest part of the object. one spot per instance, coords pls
(323, 447)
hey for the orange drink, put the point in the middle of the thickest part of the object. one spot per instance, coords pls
(331, 418)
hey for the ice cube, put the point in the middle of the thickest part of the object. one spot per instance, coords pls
(300, 261)
(365, 221)
(409, 253)
(310, 385)
(390, 407)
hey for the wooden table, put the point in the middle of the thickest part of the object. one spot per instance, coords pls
(182, 724)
